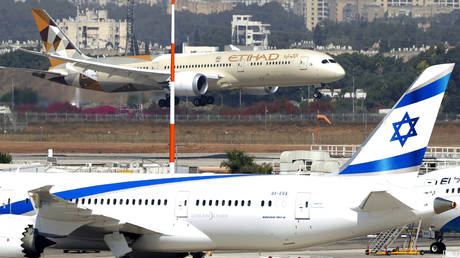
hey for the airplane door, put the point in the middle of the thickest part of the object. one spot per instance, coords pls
(181, 209)
(240, 67)
(304, 63)
(302, 207)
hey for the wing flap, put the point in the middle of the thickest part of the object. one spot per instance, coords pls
(381, 201)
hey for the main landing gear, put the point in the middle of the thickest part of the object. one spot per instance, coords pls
(438, 247)
(166, 101)
(317, 94)
(203, 101)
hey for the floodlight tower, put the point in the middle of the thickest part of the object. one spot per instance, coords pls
(130, 37)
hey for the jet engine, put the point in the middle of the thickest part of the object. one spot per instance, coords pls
(18, 238)
(190, 84)
(260, 91)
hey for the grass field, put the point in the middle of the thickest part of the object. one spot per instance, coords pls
(145, 137)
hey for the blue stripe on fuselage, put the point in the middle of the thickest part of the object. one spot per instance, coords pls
(426, 92)
(406, 160)
(452, 226)
(22, 207)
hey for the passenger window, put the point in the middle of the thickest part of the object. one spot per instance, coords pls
(159, 202)
(249, 203)
(76, 201)
(121, 201)
(262, 203)
(27, 199)
(95, 201)
(306, 204)
(210, 202)
(114, 201)
(133, 202)
(102, 201)
(165, 202)
(269, 203)
(89, 201)
(197, 202)
(447, 191)
(146, 202)
(242, 203)
(83, 201)
(453, 190)
(223, 202)
(203, 203)
(127, 202)
(108, 201)
(217, 202)
(229, 203)
(236, 203)
(153, 202)
(139, 202)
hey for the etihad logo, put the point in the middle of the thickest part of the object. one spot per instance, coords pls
(218, 59)
(253, 58)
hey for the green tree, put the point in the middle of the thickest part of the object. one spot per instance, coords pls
(5, 158)
(22, 96)
(239, 162)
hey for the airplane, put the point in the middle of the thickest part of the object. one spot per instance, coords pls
(443, 183)
(175, 215)
(255, 72)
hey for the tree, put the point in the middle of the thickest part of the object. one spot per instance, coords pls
(5, 158)
(22, 96)
(239, 162)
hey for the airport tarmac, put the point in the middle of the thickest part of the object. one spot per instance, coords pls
(342, 249)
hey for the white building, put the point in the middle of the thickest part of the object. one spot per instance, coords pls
(96, 31)
(247, 32)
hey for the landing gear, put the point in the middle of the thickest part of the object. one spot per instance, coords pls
(438, 247)
(198, 255)
(165, 102)
(203, 101)
(317, 94)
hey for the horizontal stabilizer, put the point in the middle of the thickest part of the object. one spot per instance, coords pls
(381, 201)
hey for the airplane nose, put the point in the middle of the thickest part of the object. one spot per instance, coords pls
(339, 72)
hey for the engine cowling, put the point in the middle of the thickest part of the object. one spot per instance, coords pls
(18, 238)
(260, 91)
(190, 84)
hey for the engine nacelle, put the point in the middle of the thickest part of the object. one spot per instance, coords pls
(190, 84)
(18, 237)
(260, 91)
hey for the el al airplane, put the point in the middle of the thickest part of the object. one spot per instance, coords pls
(256, 72)
(173, 215)
(443, 183)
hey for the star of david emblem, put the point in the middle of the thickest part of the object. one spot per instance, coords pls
(403, 138)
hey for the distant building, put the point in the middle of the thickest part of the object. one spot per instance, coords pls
(186, 49)
(96, 31)
(247, 32)
(201, 6)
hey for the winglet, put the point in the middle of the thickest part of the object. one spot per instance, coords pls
(399, 142)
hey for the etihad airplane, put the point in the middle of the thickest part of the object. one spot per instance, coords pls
(175, 215)
(255, 72)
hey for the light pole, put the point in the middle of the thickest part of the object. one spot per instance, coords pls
(12, 94)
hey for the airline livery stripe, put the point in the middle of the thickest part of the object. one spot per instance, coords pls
(425, 92)
(406, 160)
(22, 207)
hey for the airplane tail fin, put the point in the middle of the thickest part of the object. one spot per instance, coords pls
(399, 142)
(54, 39)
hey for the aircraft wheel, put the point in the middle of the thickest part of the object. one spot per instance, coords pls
(162, 103)
(437, 247)
(317, 95)
(196, 102)
(197, 255)
(210, 100)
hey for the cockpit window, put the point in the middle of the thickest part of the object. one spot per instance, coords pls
(324, 61)
(332, 61)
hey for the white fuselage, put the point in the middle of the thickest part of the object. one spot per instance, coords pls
(218, 212)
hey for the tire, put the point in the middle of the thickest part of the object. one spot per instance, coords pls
(422, 252)
(210, 100)
(162, 103)
(196, 102)
(317, 95)
(437, 247)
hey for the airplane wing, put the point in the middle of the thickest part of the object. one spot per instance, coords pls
(58, 217)
(144, 75)
(381, 201)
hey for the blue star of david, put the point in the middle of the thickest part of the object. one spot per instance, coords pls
(403, 138)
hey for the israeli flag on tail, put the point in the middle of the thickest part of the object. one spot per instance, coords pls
(399, 142)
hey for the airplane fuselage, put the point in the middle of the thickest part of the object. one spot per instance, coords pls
(213, 212)
(288, 67)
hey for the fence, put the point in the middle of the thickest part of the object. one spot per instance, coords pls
(80, 117)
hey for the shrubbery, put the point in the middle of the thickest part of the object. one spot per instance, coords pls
(239, 162)
(5, 158)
